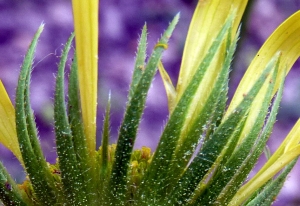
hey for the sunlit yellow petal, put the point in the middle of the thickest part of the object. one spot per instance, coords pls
(170, 89)
(208, 18)
(8, 133)
(86, 36)
(286, 41)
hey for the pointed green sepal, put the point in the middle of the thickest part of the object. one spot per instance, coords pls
(158, 172)
(230, 166)
(128, 130)
(85, 167)
(105, 141)
(139, 67)
(34, 162)
(10, 194)
(268, 194)
(249, 162)
(224, 137)
(70, 173)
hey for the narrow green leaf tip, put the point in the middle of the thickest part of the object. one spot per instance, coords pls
(35, 164)
(128, 130)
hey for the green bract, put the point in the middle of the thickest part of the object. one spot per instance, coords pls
(206, 151)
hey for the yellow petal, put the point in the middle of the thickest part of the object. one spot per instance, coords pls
(286, 41)
(8, 133)
(208, 19)
(86, 36)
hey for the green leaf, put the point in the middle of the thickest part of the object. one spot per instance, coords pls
(268, 195)
(139, 62)
(227, 170)
(9, 191)
(86, 170)
(210, 115)
(223, 138)
(105, 156)
(158, 172)
(70, 173)
(217, 116)
(128, 130)
(105, 142)
(257, 149)
(35, 164)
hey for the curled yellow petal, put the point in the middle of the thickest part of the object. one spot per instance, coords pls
(86, 36)
(284, 41)
(8, 133)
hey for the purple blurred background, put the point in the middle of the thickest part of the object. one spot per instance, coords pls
(120, 25)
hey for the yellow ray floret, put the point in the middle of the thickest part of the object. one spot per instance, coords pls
(8, 133)
(86, 36)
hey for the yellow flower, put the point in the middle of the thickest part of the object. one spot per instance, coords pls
(193, 106)
(86, 36)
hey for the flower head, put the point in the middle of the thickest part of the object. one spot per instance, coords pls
(206, 150)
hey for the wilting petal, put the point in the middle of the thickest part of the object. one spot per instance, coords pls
(170, 89)
(8, 133)
(284, 41)
(86, 36)
(288, 150)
